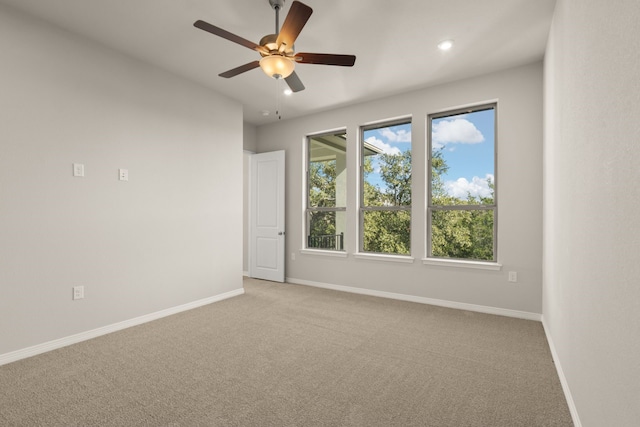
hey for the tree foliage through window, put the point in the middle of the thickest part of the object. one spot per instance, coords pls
(388, 231)
(462, 234)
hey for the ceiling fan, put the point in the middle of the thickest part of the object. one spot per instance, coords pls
(277, 50)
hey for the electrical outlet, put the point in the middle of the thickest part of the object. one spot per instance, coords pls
(123, 174)
(513, 276)
(293, 256)
(78, 292)
(78, 169)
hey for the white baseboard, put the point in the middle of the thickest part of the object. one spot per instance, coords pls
(422, 300)
(245, 274)
(563, 380)
(94, 333)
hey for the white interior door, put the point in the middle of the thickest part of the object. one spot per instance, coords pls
(266, 238)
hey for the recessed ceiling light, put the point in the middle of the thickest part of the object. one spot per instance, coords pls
(265, 112)
(445, 45)
(288, 92)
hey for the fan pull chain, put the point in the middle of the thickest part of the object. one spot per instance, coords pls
(278, 95)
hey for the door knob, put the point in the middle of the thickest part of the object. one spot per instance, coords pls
(281, 233)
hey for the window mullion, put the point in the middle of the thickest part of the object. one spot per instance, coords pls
(462, 207)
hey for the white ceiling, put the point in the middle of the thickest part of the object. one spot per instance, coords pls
(394, 42)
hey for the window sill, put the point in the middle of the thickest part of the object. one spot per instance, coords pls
(458, 263)
(321, 252)
(386, 258)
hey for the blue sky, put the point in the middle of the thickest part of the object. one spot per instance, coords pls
(467, 141)
(392, 140)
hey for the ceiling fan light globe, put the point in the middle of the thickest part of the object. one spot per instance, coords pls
(277, 66)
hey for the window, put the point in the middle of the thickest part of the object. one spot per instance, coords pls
(461, 210)
(326, 191)
(385, 191)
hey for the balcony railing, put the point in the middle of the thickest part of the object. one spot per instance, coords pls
(326, 241)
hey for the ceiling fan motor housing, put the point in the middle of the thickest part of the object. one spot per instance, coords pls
(270, 42)
(276, 4)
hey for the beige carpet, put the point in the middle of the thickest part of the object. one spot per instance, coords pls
(289, 355)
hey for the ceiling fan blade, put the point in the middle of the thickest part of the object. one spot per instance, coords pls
(241, 69)
(298, 15)
(326, 59)
(227, 35)
(294, 83)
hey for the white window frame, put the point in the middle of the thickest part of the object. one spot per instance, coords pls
(361, 253)
(462, 262)
(306, 206)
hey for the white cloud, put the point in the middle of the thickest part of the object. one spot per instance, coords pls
(386, 148)
(456, 131)
(461, 188)
(401, 135)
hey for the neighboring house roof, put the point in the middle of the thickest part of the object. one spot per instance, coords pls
(327, 146)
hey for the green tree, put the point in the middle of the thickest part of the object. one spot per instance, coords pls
(388, 231)
(322, 194)
(395, 170)
(439, 167)
(322, 184)
(462, 234)
(371, 193)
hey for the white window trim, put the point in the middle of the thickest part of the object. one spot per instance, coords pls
(459, 263)
(384, 257)
(321, 252)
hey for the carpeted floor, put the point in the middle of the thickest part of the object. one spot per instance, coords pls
(289, 355)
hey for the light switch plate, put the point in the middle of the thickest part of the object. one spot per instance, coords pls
(78, 169)
(78, 292)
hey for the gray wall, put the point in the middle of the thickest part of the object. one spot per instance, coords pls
(169, 236)
(249, 143)
(249, 137)
(591, 236)
(519, 95)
